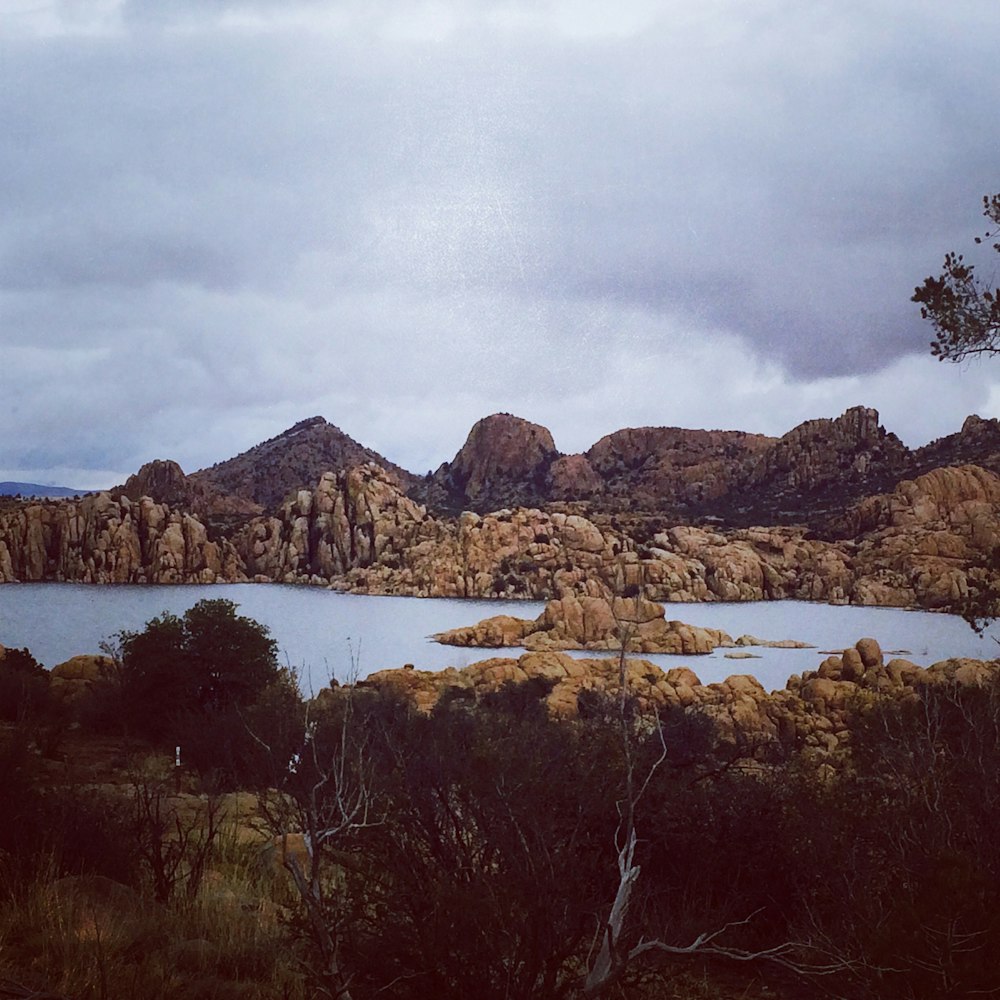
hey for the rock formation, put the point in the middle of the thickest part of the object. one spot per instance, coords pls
(504, 462)
(811, 710)
(358, 532)
(653, 467)
(80, 675)
(977, 443)
(355, 528)
(600, 623)
(817, 469)
(572, 477)
(164, 481)
(100, 539)
(352, 520)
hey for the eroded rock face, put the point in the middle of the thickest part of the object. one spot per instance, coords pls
(101, 539)
(505, 461)
(352, 520)
(359, 532)
(162, 480)
(978, 443)
(572, 477)
(821, 464)
(915, 545)
(816, 468)
(356, 530)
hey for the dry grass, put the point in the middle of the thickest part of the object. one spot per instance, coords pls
(90, 938)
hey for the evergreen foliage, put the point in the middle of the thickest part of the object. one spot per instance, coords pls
(964, 312)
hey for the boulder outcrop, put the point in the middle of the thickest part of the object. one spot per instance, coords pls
(79, 675)
(812, 710)
(357, 531)
(916, 545)
(103, 539)
(600, 623)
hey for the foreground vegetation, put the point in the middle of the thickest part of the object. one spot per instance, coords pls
(482, 850)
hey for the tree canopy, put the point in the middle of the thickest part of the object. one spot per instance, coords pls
(964, 312)
(208, 660)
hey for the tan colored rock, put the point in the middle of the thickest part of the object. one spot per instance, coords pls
(101, 539)
(752, 640)
(853, 666)
(498, 631)
(973, 673)
(814, 711)
(583, 622)
(870, 652)
(832, 669)
(85, 667)
(901, 671)
(819, 689)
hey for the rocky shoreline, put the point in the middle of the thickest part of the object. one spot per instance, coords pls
(813, 710)
(357, 531)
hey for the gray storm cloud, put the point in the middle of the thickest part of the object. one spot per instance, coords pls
(221, 217)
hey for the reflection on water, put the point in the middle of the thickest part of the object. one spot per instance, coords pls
(321, 632)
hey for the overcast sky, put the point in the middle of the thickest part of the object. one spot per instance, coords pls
(222, 217)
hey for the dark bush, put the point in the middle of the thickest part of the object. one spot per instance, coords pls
(78, 831)
(211, 660)
(492, 858)
(244, 747)
(24, 686)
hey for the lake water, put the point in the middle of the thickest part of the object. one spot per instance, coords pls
(321, 632)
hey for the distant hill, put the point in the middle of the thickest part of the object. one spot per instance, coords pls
(293, 460)
(815, 471)
(36, 490)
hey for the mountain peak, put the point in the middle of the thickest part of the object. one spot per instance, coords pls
(292, 460)
(504, 462)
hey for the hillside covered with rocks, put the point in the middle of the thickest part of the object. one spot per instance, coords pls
(912, 542)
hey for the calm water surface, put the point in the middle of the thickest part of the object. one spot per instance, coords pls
(320, 632)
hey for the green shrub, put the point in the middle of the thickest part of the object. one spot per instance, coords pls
(210, 660)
